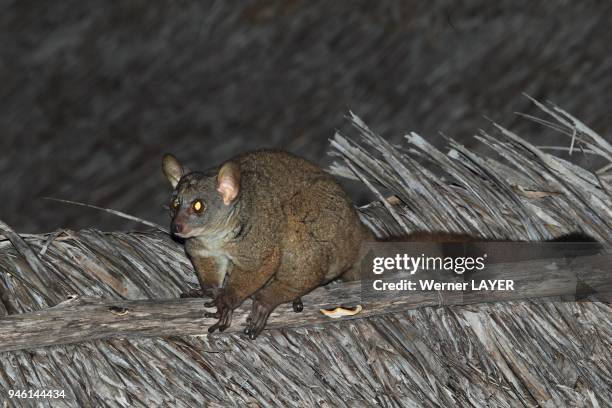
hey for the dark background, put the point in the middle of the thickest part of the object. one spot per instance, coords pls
(93, 93)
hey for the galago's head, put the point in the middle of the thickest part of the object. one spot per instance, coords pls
(202, 203)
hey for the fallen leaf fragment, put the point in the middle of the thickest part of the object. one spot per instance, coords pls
(341, 311)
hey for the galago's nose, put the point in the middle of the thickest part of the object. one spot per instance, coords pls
(176, 228)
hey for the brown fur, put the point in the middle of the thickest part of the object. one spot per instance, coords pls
(290, 229)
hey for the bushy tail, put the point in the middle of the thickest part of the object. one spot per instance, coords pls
(448, 247)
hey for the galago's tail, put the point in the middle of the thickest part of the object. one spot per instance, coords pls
(444, 244)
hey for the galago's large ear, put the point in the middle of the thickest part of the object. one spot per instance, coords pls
(172, 169)
(228, 182)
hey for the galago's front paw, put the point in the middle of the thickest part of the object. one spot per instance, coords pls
(224, 312)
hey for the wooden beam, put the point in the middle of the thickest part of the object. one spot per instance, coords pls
(86, 319)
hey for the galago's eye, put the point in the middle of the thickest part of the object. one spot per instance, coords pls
(198, 206)
(176, 203)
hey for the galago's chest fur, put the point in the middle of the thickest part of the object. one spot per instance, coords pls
(210, 258)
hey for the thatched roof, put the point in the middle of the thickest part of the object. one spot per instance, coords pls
(518, 192)
(523, 353)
